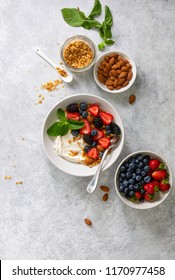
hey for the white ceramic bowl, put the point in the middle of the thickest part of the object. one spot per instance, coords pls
(146, 204)
(48, 142)
(125, 56)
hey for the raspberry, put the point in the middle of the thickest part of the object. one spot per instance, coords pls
(88, 139)
(72, 108)
(98, 122)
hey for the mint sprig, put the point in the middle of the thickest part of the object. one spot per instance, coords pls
(62, 126)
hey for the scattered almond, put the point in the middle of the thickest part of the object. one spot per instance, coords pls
(105, 197)
(88, 222)
(104, 189)
(132, 99)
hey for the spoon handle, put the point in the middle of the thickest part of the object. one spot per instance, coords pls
(93, 183)
(44, 56)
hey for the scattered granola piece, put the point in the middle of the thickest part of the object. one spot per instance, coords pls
(40, 102)
(88, 222)
(62, 72)
(51, 86)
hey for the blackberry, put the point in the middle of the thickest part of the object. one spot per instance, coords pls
(98, 122)
(72, 108)
(88, 139)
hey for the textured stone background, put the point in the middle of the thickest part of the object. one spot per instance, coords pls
(43, 218)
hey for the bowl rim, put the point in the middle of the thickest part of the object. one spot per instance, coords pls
(119, 90)
(82, 95)
(93, 48)
(151, 205)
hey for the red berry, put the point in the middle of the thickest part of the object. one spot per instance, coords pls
(149, 188)
(159, 175)
(73, 116)
(93, 109)
(86, 129)
(154, 164)
(164, 186)
(93, 153)
(148, 196)
(100, 133)
(104, 142)
(106, 117)
(138, 195)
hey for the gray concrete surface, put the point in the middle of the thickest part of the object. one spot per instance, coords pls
(43, 218)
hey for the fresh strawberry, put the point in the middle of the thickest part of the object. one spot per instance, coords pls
(104, 142)
(138, 195)
(156, 183)
(93, 153)
(154, 164)
(106, 118)
(86, 129)
(151, 187)
(93, 109)
(73, 116)
(148, 196)
(164, 185)
(99, 134)
(159, 175)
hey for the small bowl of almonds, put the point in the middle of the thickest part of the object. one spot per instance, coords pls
(78, 53)
(115, 72)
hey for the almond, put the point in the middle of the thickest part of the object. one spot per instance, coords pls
(108, 66)
(112, 78)
(105, 197)
(110, 87)
(121, 62)
(104, 189)
(125, 84)
(88, 222)
(101, 67)
(113, 73)
(109, 82)
(101, 78)
(116, 83)
(89, 161)
(100, 148)
(132, 99)
(103, 63)
(106, 75)
(118, 87)
(115, 55)
(118, 72)
(128, 65)
(120, 58)
(129, 77)
(107, 58)
(121, 81)
(111, 61)
(90, 119)
(125, 69)
(123, 74)
(116, 66)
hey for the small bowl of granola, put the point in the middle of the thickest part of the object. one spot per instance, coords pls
(78, 53)
(77, 131)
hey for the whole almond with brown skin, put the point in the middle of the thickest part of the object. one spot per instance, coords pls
(106, 70)
(113, 73)
(111, 61)
(105, 74)
(112, 78)
(109, 83)
(108, 66)
(105, 197)
(88, 222)
(118, 72)
(104, 189)
(125, 84)
(101, 67)
(120, 58)
(116, 83)
(116, 66)
(90, 119)
(107, 58)
(121, 81)
(100, 148)
(114, 55)
(118, 87)
(128, 65)
(125, 69)
(101, 78)
(110, 87)
(129, 77)
(132, 99)
(121, 62)
(103, 63)
(123, 75)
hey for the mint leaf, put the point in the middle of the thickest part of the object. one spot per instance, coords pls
(73, 17)
(108, 16)
(101, 45)
(61, 115)
(96, 10)
(75, 125)
(109, 42)
(91, 23)
(58, 129)
(107, 31)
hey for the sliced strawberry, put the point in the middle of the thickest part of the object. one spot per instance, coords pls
(164, 185)
(138, 195)
(73, 116)
(93, 153)
(86, 129)
(154, 164)
(106, 118)
(159, 175)
(93, 109)
(148, 196)
(104, 142)
(99, 134)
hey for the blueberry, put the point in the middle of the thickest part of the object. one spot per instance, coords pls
(87, 148)
(138, 171)
(138, 178)
(146, 168)
(126, 164)
(94, 144)
(145, 161)
(131, 181)
(132, 165)
(134, 175)
(142, 191)
(140, 164)
(84, 114)
(131, 159)
(120, 179)
(128, 175)
(122, 168)
(126, 190)
(136, 187)
(94, 132)
(101, 154)
(147, 179)
(75, 132)
(131, 187)
(147, 157)
(136, 161)
(143, 173)
(122, 175)
(108, 127)
(80, 111)
(108, 132)
(130, 170)
(125, 183)
(131, 193)
(141, 183)
(121, 189)
(83, 106)
(139, 157)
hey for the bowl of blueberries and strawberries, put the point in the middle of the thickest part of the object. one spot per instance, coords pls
(143, 180)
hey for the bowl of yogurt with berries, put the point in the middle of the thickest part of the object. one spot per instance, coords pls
(143, 180)
(78, 130)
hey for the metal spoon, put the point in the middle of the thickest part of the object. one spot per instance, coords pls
(67, 79)
(93, 183)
